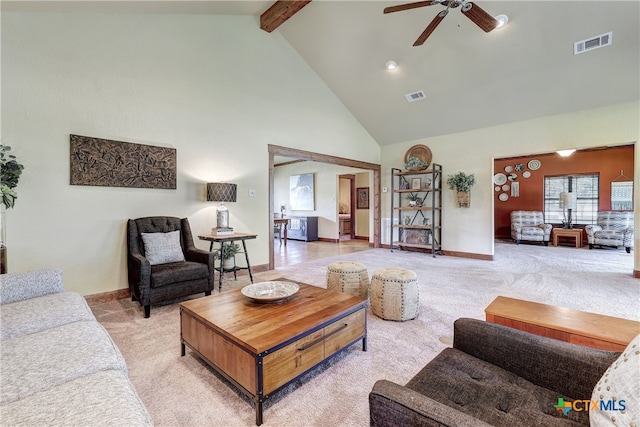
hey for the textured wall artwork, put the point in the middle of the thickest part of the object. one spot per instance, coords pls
(107, 163)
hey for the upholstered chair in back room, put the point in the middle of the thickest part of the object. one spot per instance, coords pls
(163, 263)
(529, 225)
(613, 228)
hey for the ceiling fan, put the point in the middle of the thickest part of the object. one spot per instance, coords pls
(471, 10)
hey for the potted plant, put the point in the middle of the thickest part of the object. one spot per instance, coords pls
(414, 199)
(9, 175)
(228, 255)
(462, 183)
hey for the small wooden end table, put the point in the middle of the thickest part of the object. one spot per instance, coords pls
(229, 239)
(576, 233)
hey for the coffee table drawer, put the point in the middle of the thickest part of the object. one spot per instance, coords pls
(287, 363)
(344, 332)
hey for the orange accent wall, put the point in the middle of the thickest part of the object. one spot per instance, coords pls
(606, 161)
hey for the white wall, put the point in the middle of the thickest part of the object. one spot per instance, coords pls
(471, 230)
(216, 88)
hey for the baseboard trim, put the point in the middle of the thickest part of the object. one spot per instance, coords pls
(119, 294)
(325, 239)
(636, 274)
(108, 296)
(483, 257)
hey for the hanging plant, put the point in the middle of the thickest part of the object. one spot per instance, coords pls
(462, 183)
(10, 174)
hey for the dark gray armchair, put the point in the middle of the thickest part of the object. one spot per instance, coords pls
(493, 376)
(151, 284)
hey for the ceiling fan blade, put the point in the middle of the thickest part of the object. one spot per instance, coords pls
(479, 17)
(408, 6)
(432, 26)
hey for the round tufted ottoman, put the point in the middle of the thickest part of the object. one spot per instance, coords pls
(394, 294)
(348, 277)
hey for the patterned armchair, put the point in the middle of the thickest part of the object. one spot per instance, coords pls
(613, 228)
(529, 225)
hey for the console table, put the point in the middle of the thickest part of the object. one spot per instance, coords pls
(564, 324)
(229, 239)
(283, 225)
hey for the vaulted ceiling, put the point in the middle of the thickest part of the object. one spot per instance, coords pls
(470, 79)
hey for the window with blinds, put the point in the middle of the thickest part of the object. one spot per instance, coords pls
(586, 187)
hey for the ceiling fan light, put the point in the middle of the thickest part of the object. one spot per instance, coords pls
(391, 65)
(502, 21)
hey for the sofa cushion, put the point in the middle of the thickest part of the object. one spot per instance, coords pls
(104, 398)
(619, 383)
(29, 284)
(37, 314)
(170, 274)
(39, 361)
(161, 248)
(490, 393)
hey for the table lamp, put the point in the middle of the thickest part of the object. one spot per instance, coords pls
(222, 192)
(568, 202)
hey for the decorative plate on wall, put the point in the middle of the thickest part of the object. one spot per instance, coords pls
(505, 187)
(519, 167)
(421, 152)
(497, 188)
(503, 197)
(526, 174)
(499, 178)
(534, 165)
(513, 176)
(508, 169)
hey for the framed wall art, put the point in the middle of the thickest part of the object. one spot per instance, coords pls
(302, 192)
(362, 198)
(107, 163)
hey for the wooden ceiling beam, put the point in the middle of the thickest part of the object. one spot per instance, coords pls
(279, 12)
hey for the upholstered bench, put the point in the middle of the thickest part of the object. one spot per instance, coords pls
(348, 277)
(394, 294)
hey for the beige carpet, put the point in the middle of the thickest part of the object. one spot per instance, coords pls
(184, 391)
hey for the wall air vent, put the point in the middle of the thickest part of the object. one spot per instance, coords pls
(592, 43)
(415, 96)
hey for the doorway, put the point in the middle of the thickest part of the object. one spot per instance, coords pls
(295, 154)
(346, 206)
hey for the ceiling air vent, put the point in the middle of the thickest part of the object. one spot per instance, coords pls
(415, 96)
(592, 43)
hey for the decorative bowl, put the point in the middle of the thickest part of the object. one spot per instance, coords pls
(273, 291)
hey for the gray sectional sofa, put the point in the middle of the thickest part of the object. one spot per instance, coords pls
(58, 365)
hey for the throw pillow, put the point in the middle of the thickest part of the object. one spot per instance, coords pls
(618, 389)
(162, 248)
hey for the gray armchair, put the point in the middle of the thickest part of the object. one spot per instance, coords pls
(493, 376)
(529, 225)
(613, 228)
(154, 282)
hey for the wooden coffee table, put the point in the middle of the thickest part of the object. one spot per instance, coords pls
(259, 347)
(575, 233)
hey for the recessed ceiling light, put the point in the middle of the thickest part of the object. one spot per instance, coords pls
(565, 153)
(502, 20)
(391, 65)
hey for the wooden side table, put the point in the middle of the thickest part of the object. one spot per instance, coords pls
(282, 224)
(576, 233)
(564, 324)
(229, 239)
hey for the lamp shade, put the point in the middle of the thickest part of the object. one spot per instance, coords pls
(221, 192)
(567, 200)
